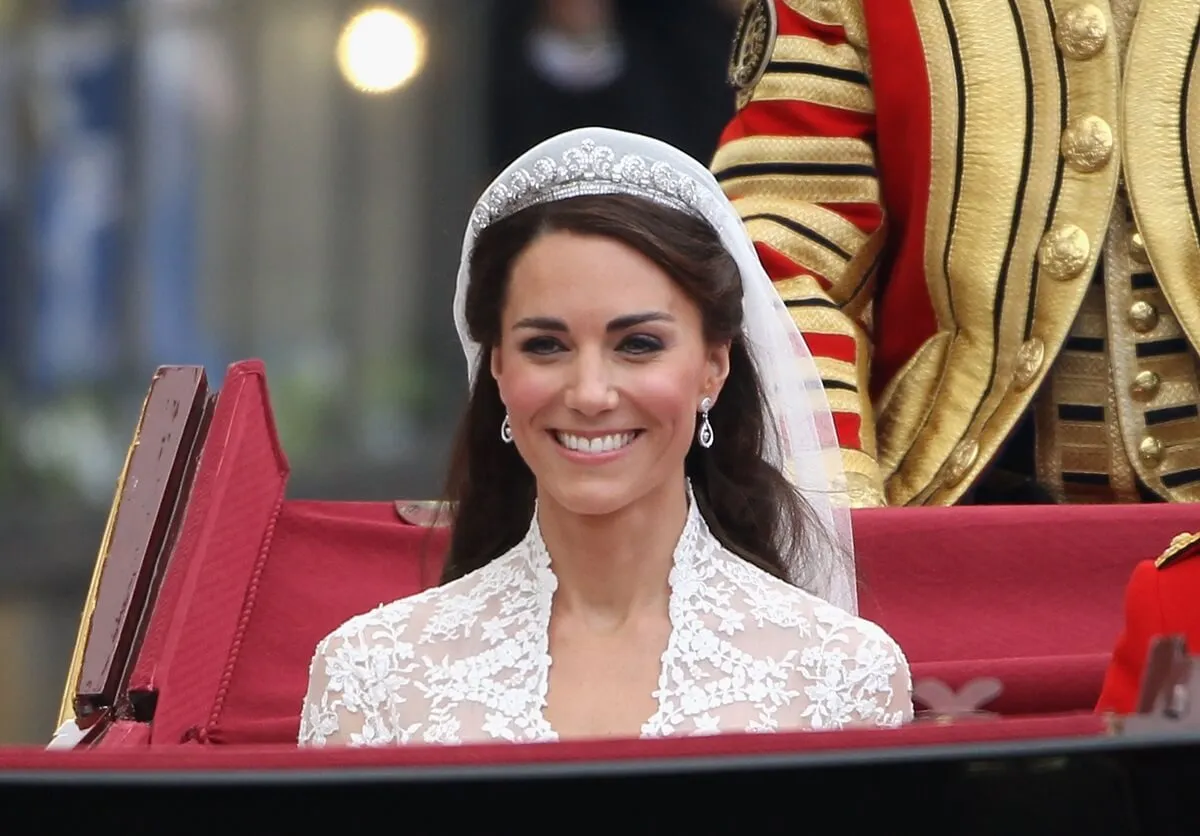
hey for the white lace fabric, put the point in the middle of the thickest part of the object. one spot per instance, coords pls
(469, 661)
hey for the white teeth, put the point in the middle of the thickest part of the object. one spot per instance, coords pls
(600, 444)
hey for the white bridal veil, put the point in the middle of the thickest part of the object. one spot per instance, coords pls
(597, 161)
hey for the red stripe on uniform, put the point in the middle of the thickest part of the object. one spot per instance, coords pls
(848, 426)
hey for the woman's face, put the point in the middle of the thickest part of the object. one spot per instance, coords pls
(602, 365)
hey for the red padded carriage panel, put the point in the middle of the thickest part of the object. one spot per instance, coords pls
(255, 581)
(197, 623)
(328, 561)
(1030, 595)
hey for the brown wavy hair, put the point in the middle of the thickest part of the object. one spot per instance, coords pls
(747, 503)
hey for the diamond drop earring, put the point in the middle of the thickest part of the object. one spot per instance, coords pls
(705, 435)
(506, 430)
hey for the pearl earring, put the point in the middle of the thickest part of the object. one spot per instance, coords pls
(506, 430)
(705, 435)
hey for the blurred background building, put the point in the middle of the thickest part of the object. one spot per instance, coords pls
(200, 181)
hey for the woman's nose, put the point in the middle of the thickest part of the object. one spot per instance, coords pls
(590, 391)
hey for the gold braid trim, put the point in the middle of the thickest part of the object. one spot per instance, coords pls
(814, 89)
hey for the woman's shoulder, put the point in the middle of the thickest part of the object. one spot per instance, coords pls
(403, 620)
(388, 621)
(773, 602)
(849, 669)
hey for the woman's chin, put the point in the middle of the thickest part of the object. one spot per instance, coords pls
(601, 495)
(591, 497)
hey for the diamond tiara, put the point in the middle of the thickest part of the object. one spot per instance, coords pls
(590, 169)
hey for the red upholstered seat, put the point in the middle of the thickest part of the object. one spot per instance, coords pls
(253, 580)
(325, 561)
(1031, 595)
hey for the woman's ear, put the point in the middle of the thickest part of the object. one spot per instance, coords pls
(494, 362)
(718, 369)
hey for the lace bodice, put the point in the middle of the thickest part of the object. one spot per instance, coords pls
(469, 661)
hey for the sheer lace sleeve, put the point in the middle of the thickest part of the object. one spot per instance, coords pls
(325, 719)
(857, 676)
(360, 688)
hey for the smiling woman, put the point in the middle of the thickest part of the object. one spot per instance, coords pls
(646, 532)
(612, 316)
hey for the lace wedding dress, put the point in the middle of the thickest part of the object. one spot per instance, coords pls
(469, 661)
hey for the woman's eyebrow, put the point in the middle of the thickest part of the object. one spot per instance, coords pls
(632, 320)
(540, 323)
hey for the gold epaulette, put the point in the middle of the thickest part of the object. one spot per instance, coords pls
(1183, 545)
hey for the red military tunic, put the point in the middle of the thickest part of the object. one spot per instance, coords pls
(979, 210)
(1163, 598)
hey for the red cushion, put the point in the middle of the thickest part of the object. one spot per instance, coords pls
(328, 561)
(999, 582)
(1031, 595)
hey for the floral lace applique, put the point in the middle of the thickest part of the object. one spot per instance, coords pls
(469, 661)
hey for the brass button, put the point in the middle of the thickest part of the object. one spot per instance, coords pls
(1065, 251)
(960, 461)
(1030, 357)
(1087, 145)
(1137, 249)
(1082, 32)
(1143, 317)
(1151, 451)
(1145, 385)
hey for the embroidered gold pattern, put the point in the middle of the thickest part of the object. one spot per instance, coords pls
(1079, 458)
(1162, 148)
(765, 150)
(831, 92)
(1179, 544)
(945, 413)
(977, 397)
(752, 45)
(796, 48)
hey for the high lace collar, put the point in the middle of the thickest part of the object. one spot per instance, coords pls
(682, 581)
(694, 528)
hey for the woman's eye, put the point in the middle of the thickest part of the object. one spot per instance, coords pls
(541, 345)
(641, 344)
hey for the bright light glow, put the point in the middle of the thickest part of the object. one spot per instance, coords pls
(381, 50)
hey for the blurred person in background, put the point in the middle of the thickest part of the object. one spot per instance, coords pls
(656, 67)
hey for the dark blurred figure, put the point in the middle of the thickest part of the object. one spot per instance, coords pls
(656, 67)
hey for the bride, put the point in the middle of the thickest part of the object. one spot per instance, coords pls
(650, 533)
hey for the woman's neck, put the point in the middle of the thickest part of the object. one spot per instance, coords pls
(612, 567)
